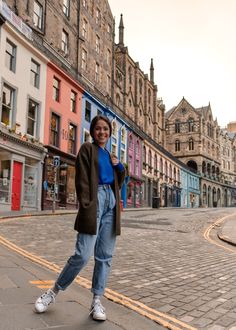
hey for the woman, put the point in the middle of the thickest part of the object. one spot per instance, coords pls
(99, 176)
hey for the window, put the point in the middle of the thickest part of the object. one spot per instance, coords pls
(66, 7)
(149, 96)
(108, 57)
(122, 156)
(118, 103)
(73, 96)
(108, 83)
(34, 73)
(114, 149)
(97, 68)
(190, 125)
(130, 75)
(140, 86)
(97, 45)
(56, 89)
(191, 144)
(137, 167)
(98, 16)
(114, 128)
(84, 59)
(123, 135)
(38, 15)
(88, 111)
(64, 41)
(33, 109)
(54, 130)
(72, 139)
(177, 126)
(7, 105)
(85, 29)
(10, 59)
(85, 4)
(87, 136)
(177, 145)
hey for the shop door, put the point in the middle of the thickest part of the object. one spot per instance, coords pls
(16, 186)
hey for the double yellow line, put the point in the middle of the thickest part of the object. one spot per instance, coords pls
(165, 320)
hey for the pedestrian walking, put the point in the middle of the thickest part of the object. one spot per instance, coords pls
(99, 176)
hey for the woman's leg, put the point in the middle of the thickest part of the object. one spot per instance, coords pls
(83, 250)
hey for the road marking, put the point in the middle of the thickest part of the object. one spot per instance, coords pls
(44, 284)
(165, 320)
(211, 227)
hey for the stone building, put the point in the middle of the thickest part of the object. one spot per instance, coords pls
(77, 35)
(135, 94)
(193, 136)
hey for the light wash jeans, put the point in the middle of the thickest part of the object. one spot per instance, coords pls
(102, 245)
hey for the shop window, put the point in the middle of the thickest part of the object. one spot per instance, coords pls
(10, 59)
(30, 186)
(5, 175)
(8, 95)
(70, 189)
(54, 130)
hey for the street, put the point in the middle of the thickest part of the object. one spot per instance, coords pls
(162, 262)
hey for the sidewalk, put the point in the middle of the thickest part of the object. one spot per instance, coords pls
(227, 232)
(19, 290)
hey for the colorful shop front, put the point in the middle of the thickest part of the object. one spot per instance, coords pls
(61, 138)
(21, 163)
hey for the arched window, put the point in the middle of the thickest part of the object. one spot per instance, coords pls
(123, 135)
(130, 74)
(118, 103)
(144, 155)
(140, 86)
(114, 128)
(155, 164)
(177, 145)
(191, 144)
(149, 158)
(149, 96)
(190, 125)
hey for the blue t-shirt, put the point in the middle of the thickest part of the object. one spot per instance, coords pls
(106, 174)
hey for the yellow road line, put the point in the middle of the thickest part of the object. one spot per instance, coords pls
(152, 314)
(212, 226)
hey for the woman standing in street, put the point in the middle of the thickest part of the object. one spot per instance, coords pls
(99, 176)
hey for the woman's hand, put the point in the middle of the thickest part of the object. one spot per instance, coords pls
(114, 160)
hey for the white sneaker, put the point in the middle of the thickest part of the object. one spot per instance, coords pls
(98, 311)
(42, 303)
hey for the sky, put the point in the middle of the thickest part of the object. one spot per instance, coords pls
(193, 46)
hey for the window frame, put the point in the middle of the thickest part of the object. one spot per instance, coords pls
(35, 75)
(11, 56)
(35, 120)
(55, 132)
(66, 8)
(38, 23)
(10, 108)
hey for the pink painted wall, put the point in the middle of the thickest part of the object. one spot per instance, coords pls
(62, 108)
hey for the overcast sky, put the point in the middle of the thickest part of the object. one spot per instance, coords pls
(193, 46)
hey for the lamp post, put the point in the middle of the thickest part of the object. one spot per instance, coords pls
(56, 164)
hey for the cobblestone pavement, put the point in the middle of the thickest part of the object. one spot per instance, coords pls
(161, 260)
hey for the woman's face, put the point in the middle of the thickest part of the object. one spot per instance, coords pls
(101, 133)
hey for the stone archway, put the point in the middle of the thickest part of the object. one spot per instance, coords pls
(192, 166)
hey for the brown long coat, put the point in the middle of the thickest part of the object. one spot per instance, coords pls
(86, 182)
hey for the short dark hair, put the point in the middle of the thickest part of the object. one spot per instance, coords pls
(94, 122)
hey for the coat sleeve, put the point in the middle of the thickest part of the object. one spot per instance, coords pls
(82, 176)
(120, 176)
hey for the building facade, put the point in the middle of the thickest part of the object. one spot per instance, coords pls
(22, 110)
(194, 137)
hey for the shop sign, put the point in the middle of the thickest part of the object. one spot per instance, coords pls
(15, 20)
